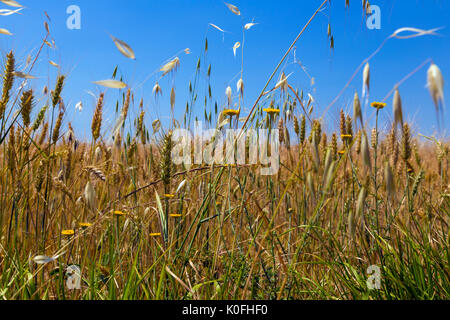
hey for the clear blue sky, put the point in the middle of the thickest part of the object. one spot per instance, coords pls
(159, 29)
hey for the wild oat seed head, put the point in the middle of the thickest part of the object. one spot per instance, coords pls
(228, 94)
(435, 84)
(366, 77)
(365, 152)
(240, 87)
(357, 113)
(397, 108)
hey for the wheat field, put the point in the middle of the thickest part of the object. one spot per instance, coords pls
(134, 225)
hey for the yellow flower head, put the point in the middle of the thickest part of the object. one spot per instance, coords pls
(341, 152)
(169, 196)
(272, 111)
(85, 225)
(176, 215)
(155, 234)
(231, 112)
(119, 213)
(378, 105)
(68, 232)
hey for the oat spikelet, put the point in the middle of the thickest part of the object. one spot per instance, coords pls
(366, 80)
(90, 196)
(435, 85)
(365, 152)
(361, 201)
(357, 113)
(398, 113)
(240, 87)
(157, 90)
(98, 154)
(228, 94)
(170, 66)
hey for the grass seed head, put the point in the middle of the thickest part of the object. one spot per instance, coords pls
(397, 108)
(435, 84)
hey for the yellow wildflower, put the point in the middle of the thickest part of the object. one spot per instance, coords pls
(155, 234)
(231, 112)
(85, 225)
(272, 111)
(378, 105)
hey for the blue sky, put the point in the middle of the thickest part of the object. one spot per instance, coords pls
(158, 30)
